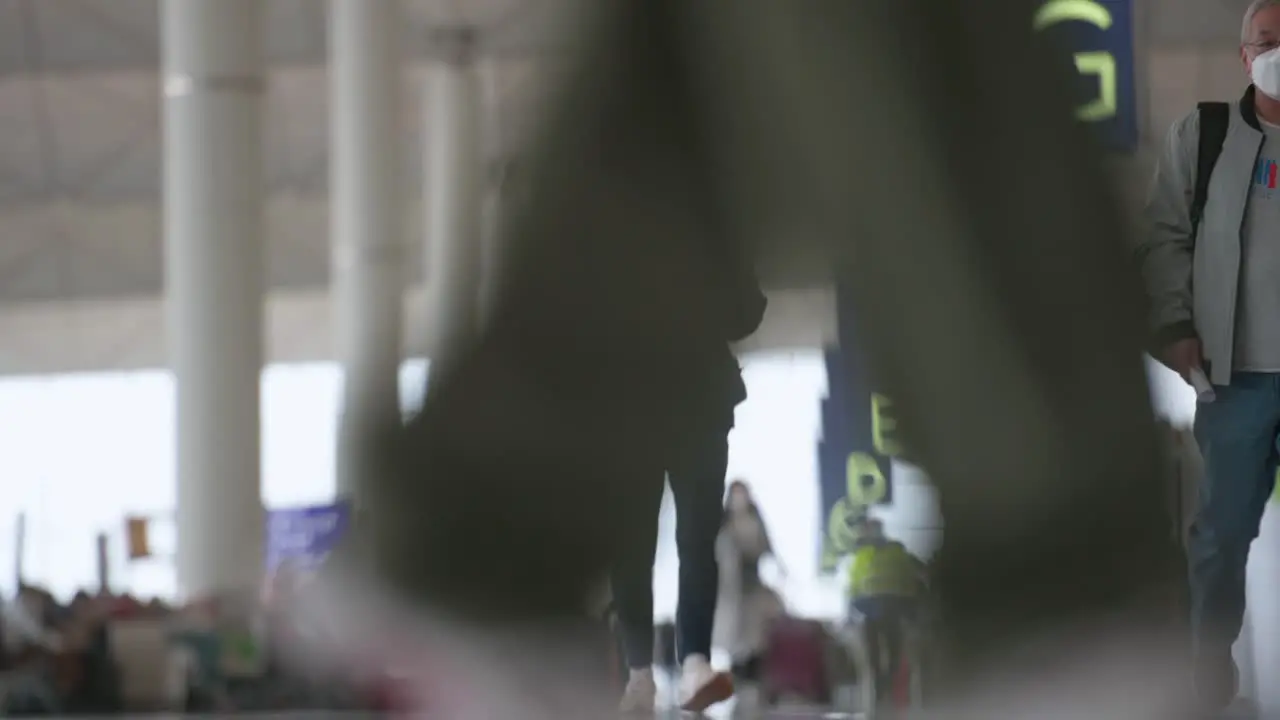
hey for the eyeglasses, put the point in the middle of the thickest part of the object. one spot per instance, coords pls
(1263, 46)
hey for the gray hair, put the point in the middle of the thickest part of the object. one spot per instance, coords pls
(1255, 7)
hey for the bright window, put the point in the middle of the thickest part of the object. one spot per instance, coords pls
(80, 452)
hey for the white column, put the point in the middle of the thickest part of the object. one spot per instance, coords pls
(453, 181)
(213, 227)
(366, 186)
(493, 183)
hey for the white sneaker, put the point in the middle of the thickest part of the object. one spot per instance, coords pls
(641, 694)
(701, 687)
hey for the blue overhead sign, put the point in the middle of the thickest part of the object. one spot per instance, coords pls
(1099, 36)
(859, 440)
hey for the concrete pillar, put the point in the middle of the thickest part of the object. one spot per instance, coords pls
(492, 196)
(366, 182)
(214, 235)
(102, 547)
(453, 182)
(492, 213)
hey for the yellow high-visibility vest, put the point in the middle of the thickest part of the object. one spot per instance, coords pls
(883, 569)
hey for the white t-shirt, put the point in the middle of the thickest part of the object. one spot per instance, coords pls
(1257, 336)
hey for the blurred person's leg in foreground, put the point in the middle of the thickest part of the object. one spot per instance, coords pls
(1023, 395)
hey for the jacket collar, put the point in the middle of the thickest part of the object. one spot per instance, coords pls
(1249, 109)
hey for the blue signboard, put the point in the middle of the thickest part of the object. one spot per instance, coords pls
(1098, 34)
(855, 469)
(304, 537)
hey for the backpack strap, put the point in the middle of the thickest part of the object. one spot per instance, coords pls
(1214, 118)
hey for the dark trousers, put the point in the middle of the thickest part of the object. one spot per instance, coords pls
(884, 626)
(696, 475)
(1237, 434)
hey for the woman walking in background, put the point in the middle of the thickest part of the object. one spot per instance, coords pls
(747, 606)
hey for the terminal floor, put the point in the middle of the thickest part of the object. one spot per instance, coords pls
(720, 713)
(321, 715)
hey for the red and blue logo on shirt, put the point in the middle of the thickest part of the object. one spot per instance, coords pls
(1264, 175)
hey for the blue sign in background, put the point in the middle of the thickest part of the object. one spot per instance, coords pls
(848, 429)
(1098, 36)
(305, 536)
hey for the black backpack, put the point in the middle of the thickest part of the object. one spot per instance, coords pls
(1214, 119)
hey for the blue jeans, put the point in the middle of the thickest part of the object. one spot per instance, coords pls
(1239, 436)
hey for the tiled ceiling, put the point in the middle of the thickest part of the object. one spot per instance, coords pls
(80, 136)
(100, 36)
(80, 141)
(79, 93)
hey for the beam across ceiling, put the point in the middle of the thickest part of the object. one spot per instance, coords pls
(129, 334)
(95, 36)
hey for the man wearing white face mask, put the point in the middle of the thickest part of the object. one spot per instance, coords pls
(1210, 260)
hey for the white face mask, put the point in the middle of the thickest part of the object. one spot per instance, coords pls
(1266, 73)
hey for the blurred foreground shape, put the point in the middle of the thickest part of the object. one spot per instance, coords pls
(1001, 310)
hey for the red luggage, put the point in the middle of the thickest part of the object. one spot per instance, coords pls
(795, 662)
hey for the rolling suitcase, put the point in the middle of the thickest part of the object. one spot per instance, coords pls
(795, 663)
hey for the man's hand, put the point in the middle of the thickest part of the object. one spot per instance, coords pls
(1183, 355)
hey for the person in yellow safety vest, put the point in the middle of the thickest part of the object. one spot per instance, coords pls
(885, 584)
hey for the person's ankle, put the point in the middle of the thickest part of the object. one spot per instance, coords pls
(1217, 679)
(696, 661)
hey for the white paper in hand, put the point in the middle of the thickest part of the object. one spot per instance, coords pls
(1204, 389)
